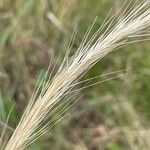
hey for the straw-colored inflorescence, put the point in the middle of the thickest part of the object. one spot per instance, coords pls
(134, 23)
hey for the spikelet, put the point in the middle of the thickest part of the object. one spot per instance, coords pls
(134, 23)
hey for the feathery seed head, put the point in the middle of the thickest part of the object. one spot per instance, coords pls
(133, 24)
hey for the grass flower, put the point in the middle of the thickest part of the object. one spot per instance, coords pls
(113, 34)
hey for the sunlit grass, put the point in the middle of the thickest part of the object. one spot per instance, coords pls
(28, 39)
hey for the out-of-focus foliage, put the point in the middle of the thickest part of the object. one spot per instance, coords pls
(112, 115)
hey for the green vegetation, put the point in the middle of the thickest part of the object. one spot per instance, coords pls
(112, 115)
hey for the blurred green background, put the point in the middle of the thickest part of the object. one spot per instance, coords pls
(113, 115)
